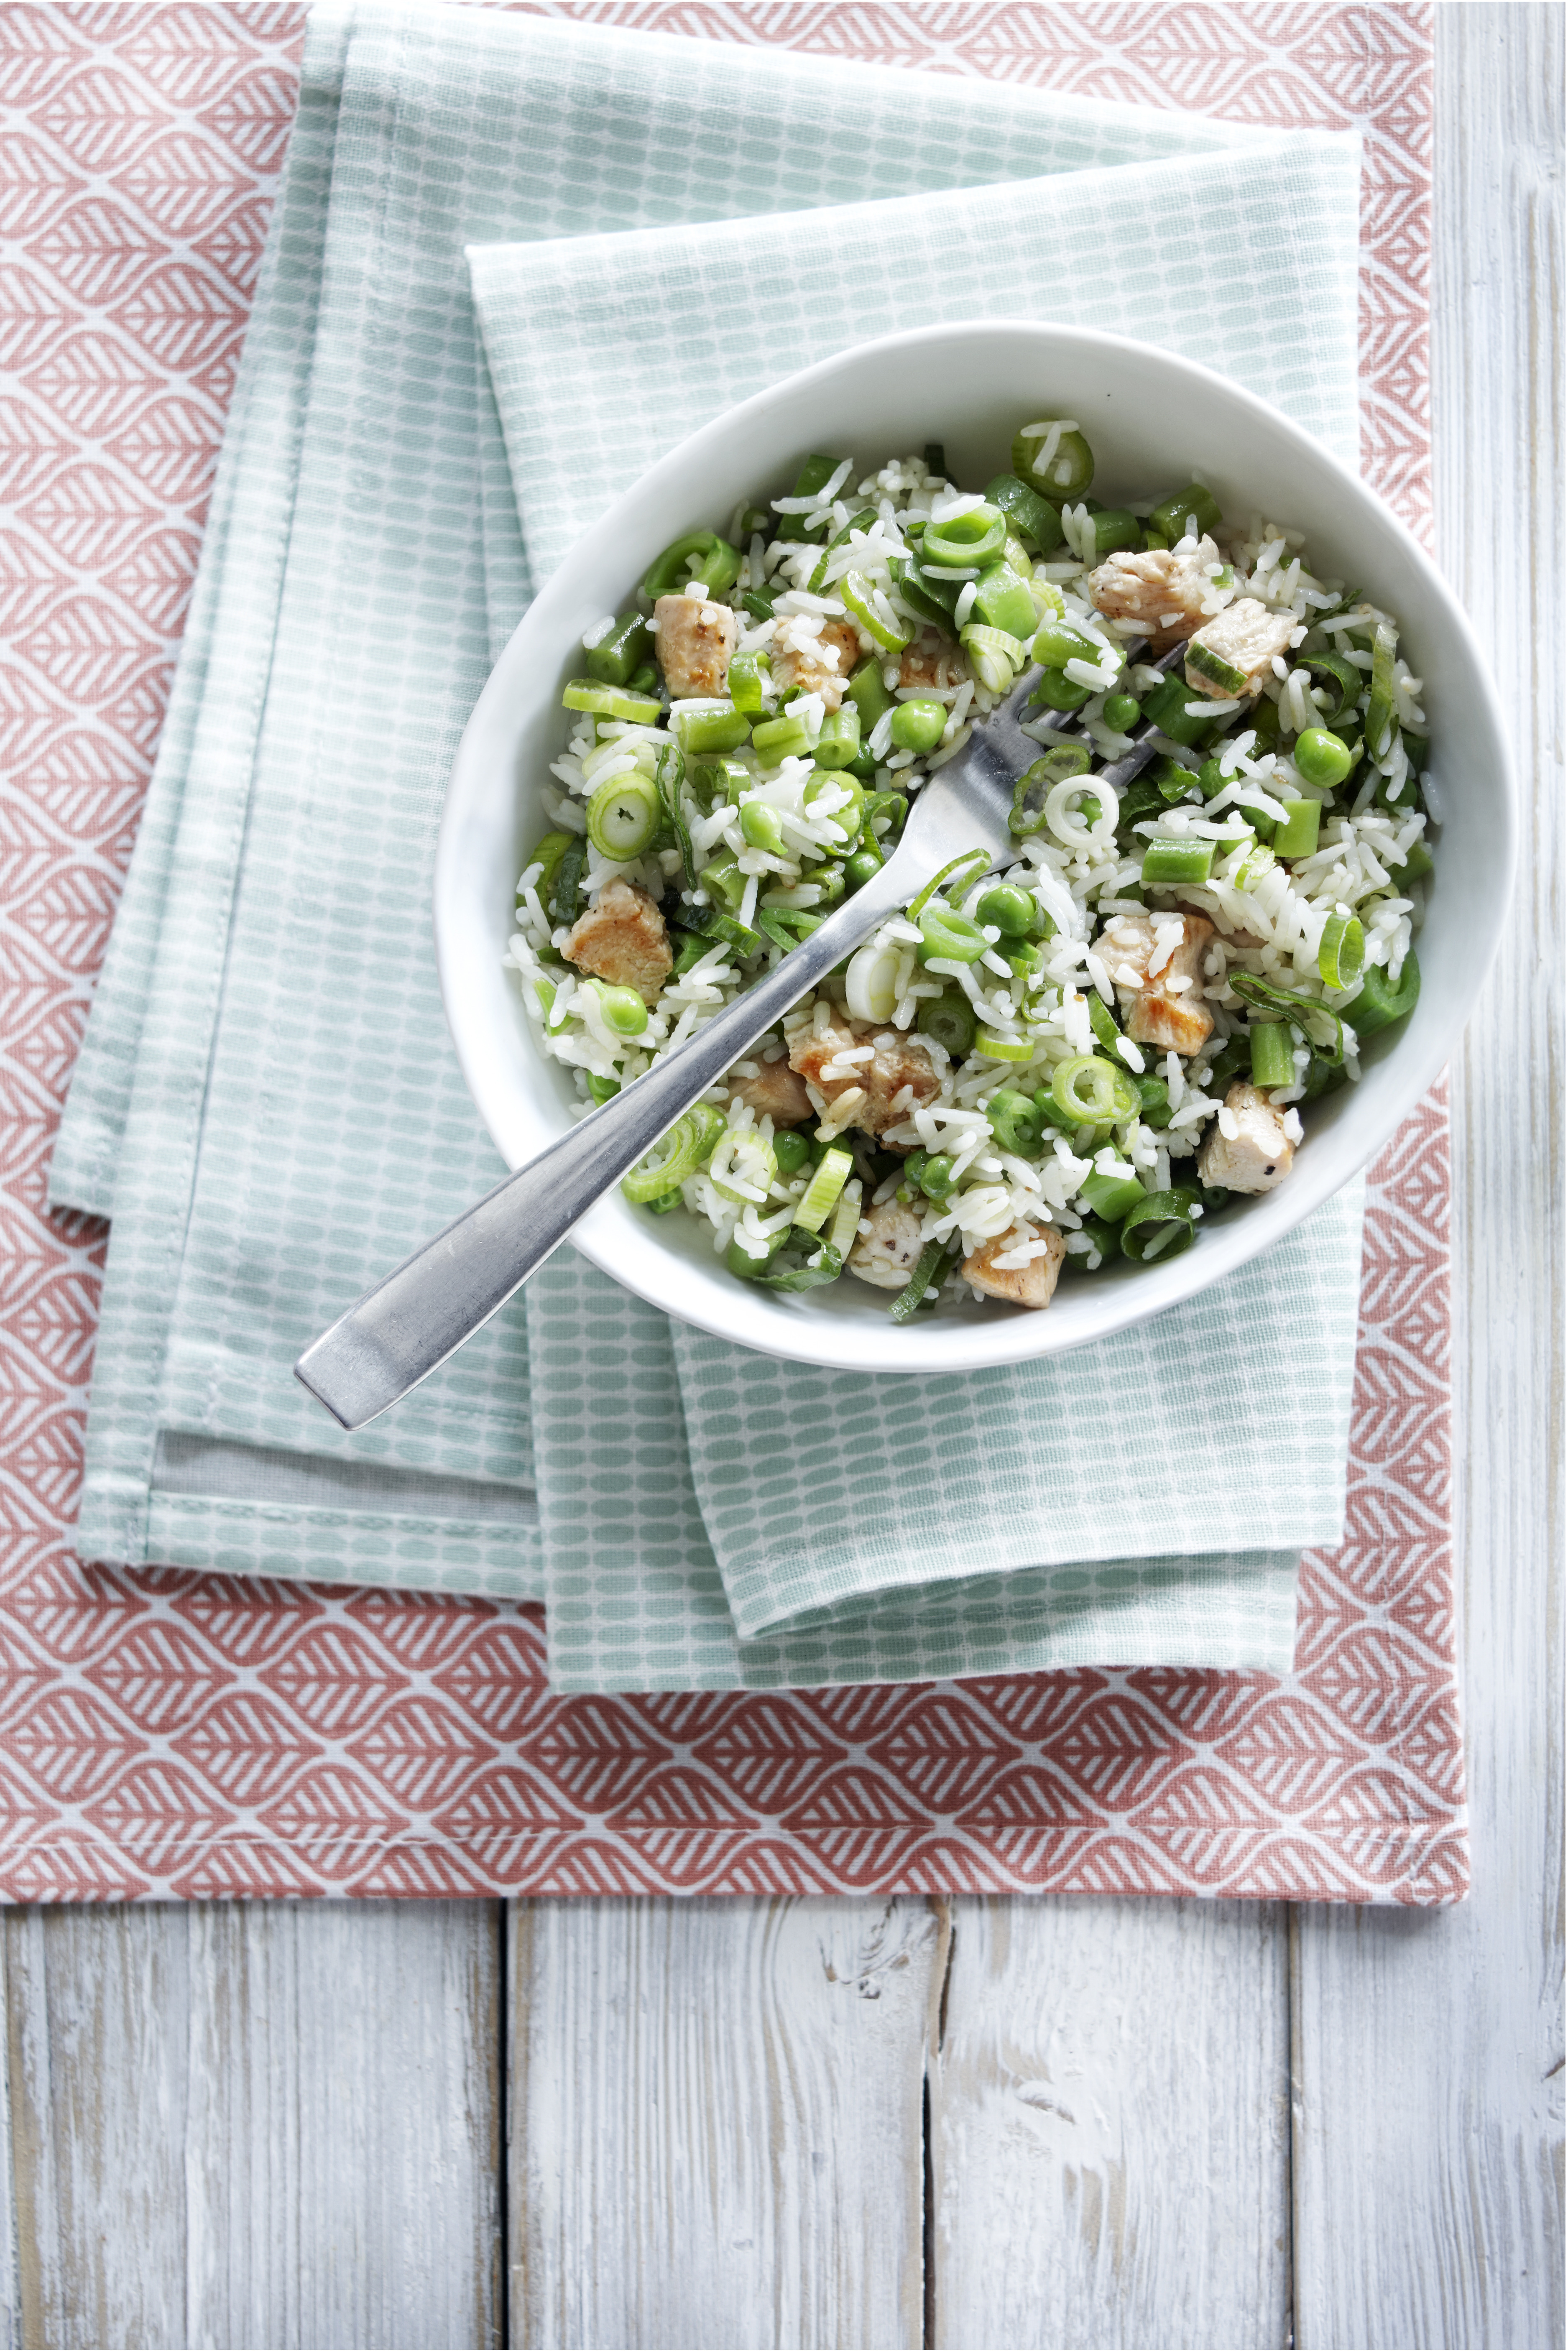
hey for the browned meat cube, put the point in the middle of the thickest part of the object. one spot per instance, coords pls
(622, 939)
(817, 665)
(1257, 1155)
(1234, 653)
(775, 1092)
(1167, 1010)
(880, 1064)
(1162, 589)
(694, 641)
(885, 1256)
(1032, 1284)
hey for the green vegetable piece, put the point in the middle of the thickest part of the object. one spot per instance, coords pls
(1002, 601)
(611, 702)
(947, 936)
(1204, 667)
(1017, 1122)
(1093, 1091)
(1416, 865)
(669, 775)
(1009, 910)
(739, 1260)
(861, 867)
(1116, 527)
(1341, 951)
(833, 1171)
(1065, 476)
(724, 884)
(1102, 1021)
(1057, 641)
(601, 1089)
(1297, 836)
(1165, 707)
(1161, 1225)
(868, 694)
(1034, 517)
(548, 854)
(1105, 1244)
(1153, 1100)
(1122, 711)
(839, 738)
(1333, 670)
(1110, 1196)
(777, 740)
(935, 600)
(616, 657)
(1167, 863)
(709, 726)
(936, 1178)
(919, 1282)
(937, 461)
(971, 540)
(805, 1262)
(1322, 758)
(669, 572)
(814, 475)
(1272, 1055)
(849, 813)
(676, 1155)
(1058, 692)
(917, 723)
(762, 828)
(1380, 1001)
(1195, 504)
(744, 679)
(624, 1010)
(1380, 701)
(1319, 1023)
(792, 1150)
(624, 814)
(566, 892)
(949, 1020)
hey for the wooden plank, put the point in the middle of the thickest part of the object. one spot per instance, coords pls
(1109, 2125)
(256, 2124)
(1428, 2050)
(715, 2120)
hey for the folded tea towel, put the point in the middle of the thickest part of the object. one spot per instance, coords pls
(268, 1104)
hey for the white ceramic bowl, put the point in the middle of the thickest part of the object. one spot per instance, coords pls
(1153, 420)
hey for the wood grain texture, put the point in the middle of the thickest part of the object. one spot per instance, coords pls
(1110, 2126)
(715, 2120)
(1428, 2050)
(256, 2124)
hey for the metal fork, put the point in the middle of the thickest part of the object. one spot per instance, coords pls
(407, 1326)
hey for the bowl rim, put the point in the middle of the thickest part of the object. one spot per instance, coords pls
(828, 1341)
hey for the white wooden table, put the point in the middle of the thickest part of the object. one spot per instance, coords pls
(1005, 2122)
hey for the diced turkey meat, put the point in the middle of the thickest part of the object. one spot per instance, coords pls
(694, 641)
(622, 939)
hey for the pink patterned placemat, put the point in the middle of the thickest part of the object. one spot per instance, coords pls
(168, 1734)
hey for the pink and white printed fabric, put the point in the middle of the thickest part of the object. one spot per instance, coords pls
(164, 1734)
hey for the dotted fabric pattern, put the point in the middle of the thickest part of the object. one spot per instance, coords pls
(297, 1120)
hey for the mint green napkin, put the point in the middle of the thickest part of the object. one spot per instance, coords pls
(268, 1103)
(825, 1526)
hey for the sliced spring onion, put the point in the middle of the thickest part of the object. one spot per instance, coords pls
(669, 775)
(949, 1020)
(1026, 510)
(1102, 1022)
(846, 1216)
(1091, 1091)
(891, 633)
(566, 890)
(669, 572)
(1341, 951)
(870, 983)
(610, 701)
(863, 522)
(676, 1155)
(745, 678)
(624, 814)
(1171, 516)
(976, 860)
(711, 724)
(1170, 863)
(777, 740)
(919, 1282)
(996, 655)
(947, 936)
(970, 541)
(1161, 1225)
(1380, 701)
(1322, 1026)
(995, 1047)
(1058, 767)
(803, 1263)
(833, 1171)
(1066, 474)
(742, 1165)
(1273, 1062)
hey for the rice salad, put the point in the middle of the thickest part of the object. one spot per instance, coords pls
(1036, 1068)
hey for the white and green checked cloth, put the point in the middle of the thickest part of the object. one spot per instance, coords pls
(267, 1104)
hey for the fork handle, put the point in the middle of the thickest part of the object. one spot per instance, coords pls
(405, 1328)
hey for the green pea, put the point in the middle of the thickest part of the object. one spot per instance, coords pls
(748, 1267)
(793, 1151)
(1009, 910)
(1057, 691)
(950, 1019)
(624, 1010)
(761, 828)
(935, 1178)
(1154, 1101)
(917, 723)
(1322, 758)
(1122, 711)
(859, 869)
